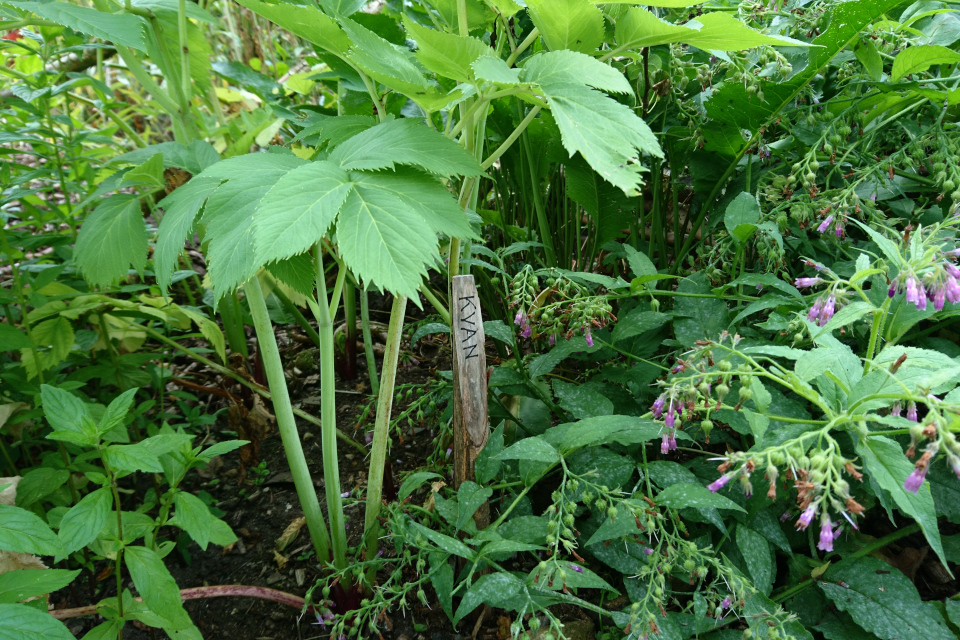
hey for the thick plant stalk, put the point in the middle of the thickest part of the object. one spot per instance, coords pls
(328, 418)
(231, 313)
(350, 346)
(381, 429)
(368, 343)
(286, 423)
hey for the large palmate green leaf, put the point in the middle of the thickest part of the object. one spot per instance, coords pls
(298, 210)
(229, 214)
(609, 135)
(112, 240)
(386, 62)
(570, 67)
(181, 209)
(424, 195)
(608, 207)
(882, 601)
(384, 241)
(405, 141)
(446, 54)
(308, 23)
(124, 29)
(567, 24)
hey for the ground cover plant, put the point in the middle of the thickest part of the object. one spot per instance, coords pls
(716, 249)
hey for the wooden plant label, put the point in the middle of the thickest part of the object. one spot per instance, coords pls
(470, 426)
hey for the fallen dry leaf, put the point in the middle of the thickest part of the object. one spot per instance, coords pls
(290, 533)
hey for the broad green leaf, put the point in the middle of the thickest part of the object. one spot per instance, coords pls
(637, 321)
(112, 240)
(869, 57)
(194, 517)
(195, 157)
(132, 457)
(674, 4)
(495, 70)
(742, 217)
(297, 211)
(535, 449)
(756, 553)
(54, 340)
(838, 360)
(222, 448)
(333, 130)
(889, 467)
(446, 54)
(17, 586)
(385, 242)
(882, 601)
(424, 195)
(23, 622)
(478, 14)
(919, 58)
(63, 410)
(581, 400)
(230, 210)
(116, 412)
(22, 531)
(470, 497)
(445, 542)
(428, 329)
(306, 22)
(414, 481)
(405, 141)
(567, 24)
(637, 28)
(720, 31)
(124, 29)
(148, 173)
(386, 62)
(38, 484)
(12, 338)
(680, 496)
(571, 67)
(211, 331)
(609, 208)
(156, 586)
(181, 209)
(493, 589)
(698, 318)
(609, 135)
(83, 522)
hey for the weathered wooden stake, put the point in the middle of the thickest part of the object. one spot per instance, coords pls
(470, 425)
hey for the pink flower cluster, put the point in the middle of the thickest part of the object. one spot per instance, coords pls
(674, 410)
(941, 287)
(837, 228)
(523, 322)
(823, 309)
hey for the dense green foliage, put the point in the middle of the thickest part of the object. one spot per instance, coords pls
(716, 245)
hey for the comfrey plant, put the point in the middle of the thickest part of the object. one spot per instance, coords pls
(854, 399)
(563, 308)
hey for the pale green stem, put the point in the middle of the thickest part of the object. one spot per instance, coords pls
(368, 343)
(328, 418)
(286, 423)
(529, 40)
(435, 302)
(875, 330)
(511, 138)
(337, 291)
(381, 430)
